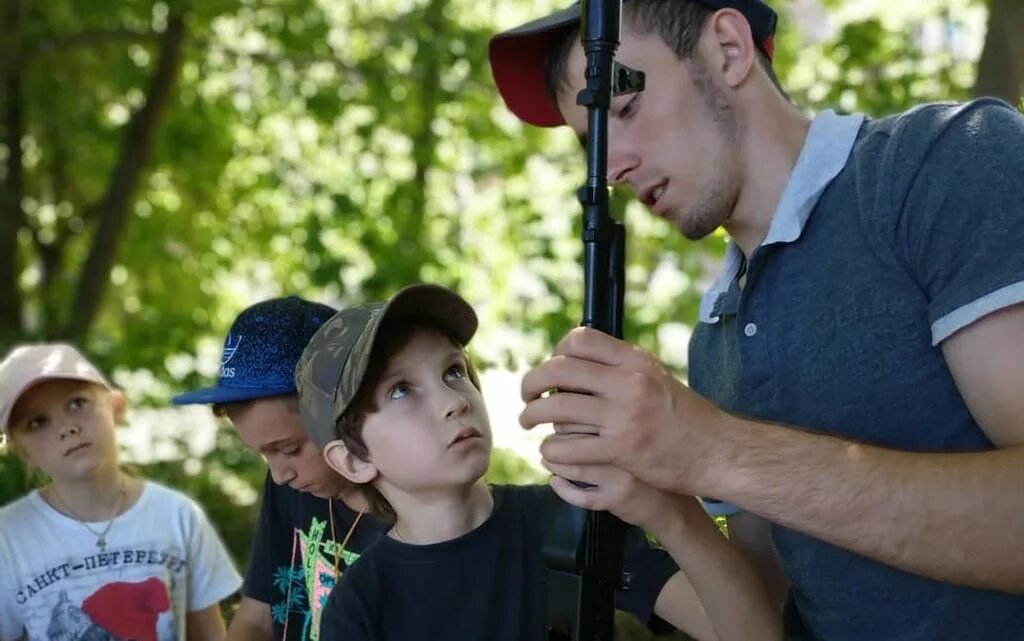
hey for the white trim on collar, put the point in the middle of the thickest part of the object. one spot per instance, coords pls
(825, 152)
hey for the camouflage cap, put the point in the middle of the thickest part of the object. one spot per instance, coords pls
(334, 362)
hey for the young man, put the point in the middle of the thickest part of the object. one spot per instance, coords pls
(856, 371)
(96, 553)
(388, 392)
(310, 524)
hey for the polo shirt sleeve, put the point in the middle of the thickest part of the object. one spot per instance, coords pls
(959, 224)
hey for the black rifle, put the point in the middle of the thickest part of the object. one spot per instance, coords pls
(583, 549)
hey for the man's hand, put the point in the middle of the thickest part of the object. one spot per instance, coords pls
(619, 492)
(717, 595)
(641, 418)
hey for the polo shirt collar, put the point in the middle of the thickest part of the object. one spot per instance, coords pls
(826, 150)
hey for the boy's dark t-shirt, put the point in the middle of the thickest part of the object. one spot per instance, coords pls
(487, 584)
(293, 556)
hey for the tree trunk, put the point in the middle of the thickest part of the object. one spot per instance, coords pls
(1001, 67)
(424, 139)
(12, 216)
(115, 205)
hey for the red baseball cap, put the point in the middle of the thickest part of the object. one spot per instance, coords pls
(518, 56)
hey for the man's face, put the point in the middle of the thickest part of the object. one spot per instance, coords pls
(675, 143)
(273, 427)
(431, 433)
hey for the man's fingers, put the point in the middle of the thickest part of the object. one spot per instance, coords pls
(593, 345)
(571, 494)
(567, 408)
(582, 473)
(585, 361)
(565, 374)
(577, 429)
(578, 450)
(607, 484)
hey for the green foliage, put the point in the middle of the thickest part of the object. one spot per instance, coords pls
(213, 479)
(344, 150)
(15, 478)
(509, 469)
(877, 64)
(340, 150)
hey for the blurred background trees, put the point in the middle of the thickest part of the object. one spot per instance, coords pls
(165, 163)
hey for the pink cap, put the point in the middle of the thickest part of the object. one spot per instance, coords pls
(27, 365)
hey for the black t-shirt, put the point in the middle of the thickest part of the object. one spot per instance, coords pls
(294, 553)
(487, 584)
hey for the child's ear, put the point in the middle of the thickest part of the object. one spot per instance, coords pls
(344, 462)
(119, 407)
(15, 448)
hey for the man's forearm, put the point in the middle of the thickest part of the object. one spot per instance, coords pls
(952, 517)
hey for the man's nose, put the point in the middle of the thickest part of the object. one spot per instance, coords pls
(621, 161)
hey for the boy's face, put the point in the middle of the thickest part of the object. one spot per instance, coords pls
(676, 143)
(66, 427)
(431, 431)
(273, 427)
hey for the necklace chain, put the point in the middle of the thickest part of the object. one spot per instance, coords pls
(101, 536)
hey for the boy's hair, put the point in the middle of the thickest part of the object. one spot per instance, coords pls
(226, 410)
(393, 335)
(679, 24)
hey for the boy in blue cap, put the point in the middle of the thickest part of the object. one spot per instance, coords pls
(311, 520)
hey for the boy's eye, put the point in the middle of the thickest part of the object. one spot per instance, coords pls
(77, 402)
(455, 372)
(292, 451)
(399, 390)
(35, 423)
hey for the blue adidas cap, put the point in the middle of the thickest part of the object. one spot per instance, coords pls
(261, 351)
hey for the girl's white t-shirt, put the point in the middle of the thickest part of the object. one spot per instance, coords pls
(162, 560)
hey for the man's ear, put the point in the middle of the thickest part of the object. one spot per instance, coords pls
(734, 49)
(344, 462)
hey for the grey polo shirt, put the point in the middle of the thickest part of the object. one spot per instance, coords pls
(891, 235)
